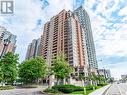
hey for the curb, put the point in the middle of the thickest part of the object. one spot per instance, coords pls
(45, 93)
(106, 90)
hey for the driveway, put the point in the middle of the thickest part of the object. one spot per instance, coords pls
(22, 91)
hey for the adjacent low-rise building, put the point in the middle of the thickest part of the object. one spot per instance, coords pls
(124, 78)
(104, 72)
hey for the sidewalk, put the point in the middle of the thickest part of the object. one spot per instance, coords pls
(100, 91)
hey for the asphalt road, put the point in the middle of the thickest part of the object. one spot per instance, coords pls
(117, 89)
(31, 91)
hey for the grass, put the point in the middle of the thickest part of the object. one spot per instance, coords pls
(82, 92)
(99, 87)
(78, 92)
(56, 90)
(6, 87)
(87, 92)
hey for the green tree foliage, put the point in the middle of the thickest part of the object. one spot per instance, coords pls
(101, 79)
(30, 71)
(1, 73)
(82, 78)
(8, 67)
(61, 68)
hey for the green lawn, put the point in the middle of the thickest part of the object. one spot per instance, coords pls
(6, 87)
(71, 89)
(87, 92)
(82, 92)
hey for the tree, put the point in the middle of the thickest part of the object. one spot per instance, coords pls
(111, 80)
(92, 78)
(82, 78)
(8, 67)
(30, 71)
(101, 79)
(61, 68)
(1, 73)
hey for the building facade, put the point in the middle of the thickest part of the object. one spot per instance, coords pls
(70, 33)
(63, 34)
(104, 72)
(7, 41)
(85, 24)
(123, 78)
(33, 49)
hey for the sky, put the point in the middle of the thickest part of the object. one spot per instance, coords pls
(108, 21)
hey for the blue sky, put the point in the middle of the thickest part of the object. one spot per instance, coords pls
(108, 20)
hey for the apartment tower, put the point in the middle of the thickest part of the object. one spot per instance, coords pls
(64, 34)
(33, 49)
(7, 41)
(84, 21)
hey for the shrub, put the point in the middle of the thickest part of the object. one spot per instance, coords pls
(78, 88)
(102, 84)
(6, 87)
(56, 87)
(67, 88)
(49, 90)
(64, 88)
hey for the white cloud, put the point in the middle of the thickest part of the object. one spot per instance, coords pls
(27, 12)
(55, 6)
(123, 11)
(112, 47)
(110, 37)
(119, 69)
(89, 4)
(116, 69)
(24, 20)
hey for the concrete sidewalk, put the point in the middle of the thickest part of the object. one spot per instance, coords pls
(100, 91)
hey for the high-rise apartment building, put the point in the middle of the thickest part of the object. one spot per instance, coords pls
(7, 41)
(77, 54)
(70, 33)
(64, 34)
(84, 20)
(33, 49)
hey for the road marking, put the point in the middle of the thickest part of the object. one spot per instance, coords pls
(119, 90)
(106, 91)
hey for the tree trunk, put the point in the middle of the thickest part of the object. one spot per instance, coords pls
(57, 83)
(63, 81)
(82, 82)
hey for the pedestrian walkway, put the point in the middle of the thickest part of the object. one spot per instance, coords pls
(100, 91)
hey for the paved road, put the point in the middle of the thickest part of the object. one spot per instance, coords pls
(117, 89)
(33, 91)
